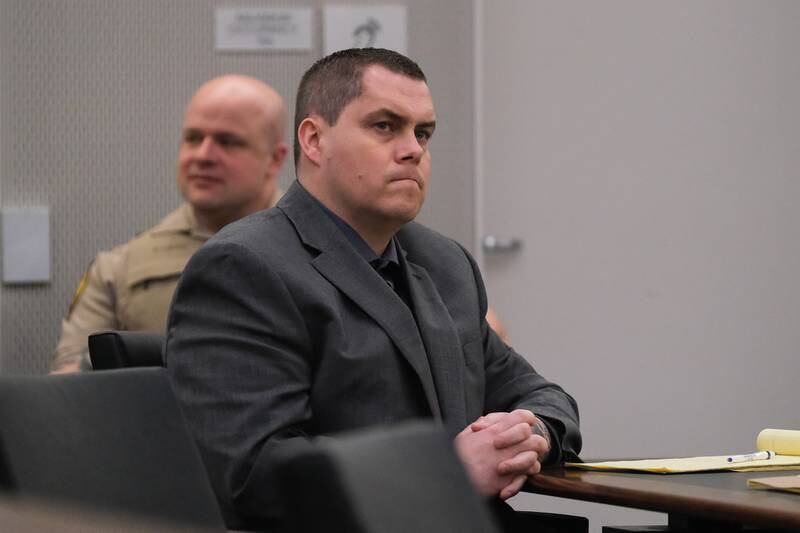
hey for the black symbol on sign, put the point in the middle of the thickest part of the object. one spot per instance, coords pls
(365, 34)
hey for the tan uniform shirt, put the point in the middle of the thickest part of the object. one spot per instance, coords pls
(129, 287)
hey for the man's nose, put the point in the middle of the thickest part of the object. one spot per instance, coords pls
(410, 148)
(206, 150)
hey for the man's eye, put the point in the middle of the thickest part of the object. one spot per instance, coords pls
(227, 141)
(192, 138)
(423, 135)
(383, 126)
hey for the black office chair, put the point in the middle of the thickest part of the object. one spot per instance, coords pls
(123, 349)
(396, 480)
(115, 441)
(23, 515)
(550, 522)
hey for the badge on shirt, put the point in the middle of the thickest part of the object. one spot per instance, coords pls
(80, 289)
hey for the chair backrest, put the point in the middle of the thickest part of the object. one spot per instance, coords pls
(122, 349)
(32, 515)
(391, 480)
(114, 440)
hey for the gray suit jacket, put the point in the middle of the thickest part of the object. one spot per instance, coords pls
(279, 331)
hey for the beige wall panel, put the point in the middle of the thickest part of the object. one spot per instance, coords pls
(91, 102)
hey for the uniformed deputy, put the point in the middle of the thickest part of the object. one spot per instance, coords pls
(232, 149)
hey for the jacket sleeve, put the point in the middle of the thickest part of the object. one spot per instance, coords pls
(513, 383)
(242, 372)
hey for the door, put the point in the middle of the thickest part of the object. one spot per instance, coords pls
(645, 155)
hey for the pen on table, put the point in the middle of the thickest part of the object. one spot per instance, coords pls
(755, 456)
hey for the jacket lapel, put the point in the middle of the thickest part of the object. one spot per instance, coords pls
(341, 265)
(441, 342)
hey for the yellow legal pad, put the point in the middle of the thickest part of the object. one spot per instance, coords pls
(693, 464)
(782, 483)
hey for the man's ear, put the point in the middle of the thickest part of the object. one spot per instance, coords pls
(309, 134)
(278, 156)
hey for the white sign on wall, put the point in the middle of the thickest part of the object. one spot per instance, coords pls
(26, 244)
(262, 28)
(361, 27)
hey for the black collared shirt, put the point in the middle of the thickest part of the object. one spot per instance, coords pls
(386, 261)
(387, 264)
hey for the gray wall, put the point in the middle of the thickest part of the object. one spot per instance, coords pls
(657, 147)
(655, 155)
(91, 101)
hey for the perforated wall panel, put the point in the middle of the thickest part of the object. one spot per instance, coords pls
(91, 98)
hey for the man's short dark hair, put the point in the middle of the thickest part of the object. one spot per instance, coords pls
(335, 80)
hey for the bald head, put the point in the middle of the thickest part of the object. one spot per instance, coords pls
(246, 91)
(232, 149)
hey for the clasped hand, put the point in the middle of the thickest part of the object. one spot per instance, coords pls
(500, 451)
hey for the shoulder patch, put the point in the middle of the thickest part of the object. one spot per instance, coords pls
(80, 289)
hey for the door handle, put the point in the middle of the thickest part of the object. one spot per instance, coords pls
(495, 245)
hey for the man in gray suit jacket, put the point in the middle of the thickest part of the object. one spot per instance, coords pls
(335, 311)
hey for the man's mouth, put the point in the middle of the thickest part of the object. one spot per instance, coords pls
(415, 179)
(204, 178)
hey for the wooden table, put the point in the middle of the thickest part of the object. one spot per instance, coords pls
(717, 501)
